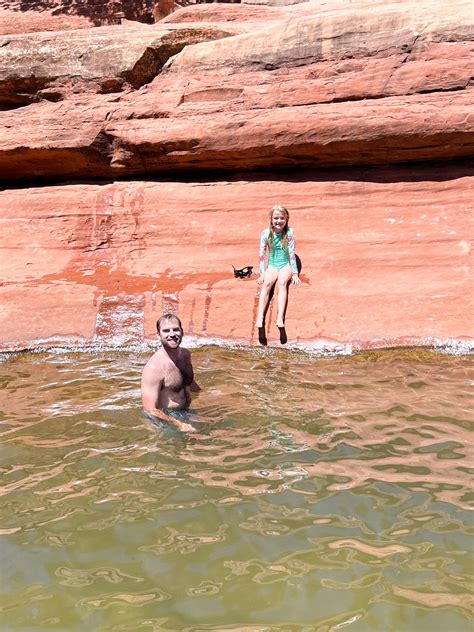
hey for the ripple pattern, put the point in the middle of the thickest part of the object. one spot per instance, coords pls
(319, 494)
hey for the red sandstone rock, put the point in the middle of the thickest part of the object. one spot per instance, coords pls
(391, 130)
(385, 258)
(95, 12)
(163, 8)
(95, 60)
(348, 33)
(23, 17)
(15, 22)
(216, 12)
(353, 99)
(385, 251)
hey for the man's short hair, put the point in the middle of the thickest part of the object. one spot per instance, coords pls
(166, 317)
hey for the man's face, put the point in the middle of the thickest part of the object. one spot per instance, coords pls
(170, 334)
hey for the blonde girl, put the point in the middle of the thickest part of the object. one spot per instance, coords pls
(279, 240)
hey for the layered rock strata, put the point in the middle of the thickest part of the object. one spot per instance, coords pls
(357, 116)
(385, 257)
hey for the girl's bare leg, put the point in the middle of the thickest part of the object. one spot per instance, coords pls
(284, 277)
(269, 280)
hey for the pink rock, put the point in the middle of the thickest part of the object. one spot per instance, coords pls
(299, 105)
(24, 16)
(334, 94)
(215, 12)
(41, 65)
(314, 35)
(385, 255)
(15, 22)
(380, 131)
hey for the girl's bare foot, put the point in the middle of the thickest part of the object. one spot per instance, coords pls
(283, 336)
(262, 336)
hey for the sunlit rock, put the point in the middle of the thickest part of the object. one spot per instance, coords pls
(141, 162)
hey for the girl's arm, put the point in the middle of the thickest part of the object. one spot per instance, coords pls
(262, 249)
(291, 252)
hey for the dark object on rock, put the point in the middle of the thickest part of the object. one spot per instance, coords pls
(243, 272)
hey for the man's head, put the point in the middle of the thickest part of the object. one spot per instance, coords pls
(170, 331)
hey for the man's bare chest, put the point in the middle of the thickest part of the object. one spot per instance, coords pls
(173, 377)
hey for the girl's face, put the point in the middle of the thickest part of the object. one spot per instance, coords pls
(278, 221)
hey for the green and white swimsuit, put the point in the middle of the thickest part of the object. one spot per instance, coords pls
(279, 256)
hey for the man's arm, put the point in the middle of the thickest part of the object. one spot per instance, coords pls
(151, 387)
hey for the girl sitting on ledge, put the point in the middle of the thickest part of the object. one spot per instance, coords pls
(281, 269)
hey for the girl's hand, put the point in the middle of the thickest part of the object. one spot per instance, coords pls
(295, 280)
(260, 280)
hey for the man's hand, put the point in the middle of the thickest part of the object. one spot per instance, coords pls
(185, 427)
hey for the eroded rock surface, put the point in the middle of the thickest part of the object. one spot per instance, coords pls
(44, 65)
(358, 116)
(351, 87)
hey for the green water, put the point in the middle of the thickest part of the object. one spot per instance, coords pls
(318, 495)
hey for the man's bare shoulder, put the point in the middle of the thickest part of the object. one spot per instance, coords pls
(154, 363)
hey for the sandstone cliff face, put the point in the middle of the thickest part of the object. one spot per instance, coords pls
(28, 16)
(31, 16)
(142, 162)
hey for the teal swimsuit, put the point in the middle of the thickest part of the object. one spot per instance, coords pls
(279, 256)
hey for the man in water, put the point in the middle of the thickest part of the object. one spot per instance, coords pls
(168, 377)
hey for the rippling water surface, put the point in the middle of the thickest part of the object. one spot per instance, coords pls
(319, 494)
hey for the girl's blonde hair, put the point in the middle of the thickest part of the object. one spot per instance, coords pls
(284, 233)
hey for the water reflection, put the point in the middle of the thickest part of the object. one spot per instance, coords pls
(318, 494)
